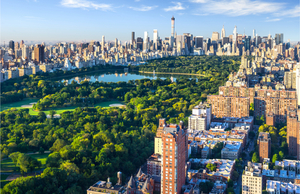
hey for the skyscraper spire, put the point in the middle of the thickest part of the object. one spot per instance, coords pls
(223, 33)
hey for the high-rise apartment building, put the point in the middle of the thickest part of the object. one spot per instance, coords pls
(201, 117)
(293, 132)
(223, 106)
(290, 80)
(174, 156)
(25, 52)
(39, 55)
(172, 31)
(215, 36)
(298, 84)
(264, 143)
(252, 182)
(103, 43)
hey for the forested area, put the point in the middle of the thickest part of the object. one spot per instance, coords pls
(205, 65)
(91, 144)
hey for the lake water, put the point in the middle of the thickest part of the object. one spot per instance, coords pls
(122, 76)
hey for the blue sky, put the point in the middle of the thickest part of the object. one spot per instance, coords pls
(80, 20)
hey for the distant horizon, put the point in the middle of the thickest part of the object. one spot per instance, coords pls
(79, 20)
(85, 41)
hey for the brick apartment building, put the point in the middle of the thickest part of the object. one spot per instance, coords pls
(174, 155)
(264, 143)
(293, 131)
(223, 106)
(235, 101)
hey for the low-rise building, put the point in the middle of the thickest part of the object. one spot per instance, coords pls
(231, 150)
(277, 187)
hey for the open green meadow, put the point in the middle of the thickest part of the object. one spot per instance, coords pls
(18, 105)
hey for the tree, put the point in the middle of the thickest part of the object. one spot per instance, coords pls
(255, 157)
(275, 158)
(211, 167)
(251, 109)
(57, 145)
(281, 155)
(53, 160)
(235, 175)
(52, 113)
(41, 116)
(14, 157)
(41, 150)
(69, 167)
(230, 183)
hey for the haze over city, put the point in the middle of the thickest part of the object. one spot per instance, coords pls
(85, 20)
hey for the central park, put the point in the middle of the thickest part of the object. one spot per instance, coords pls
(70, 134)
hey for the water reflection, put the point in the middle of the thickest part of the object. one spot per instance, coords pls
(123, 77)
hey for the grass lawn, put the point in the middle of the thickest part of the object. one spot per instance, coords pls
(40, 157)
(106, 104)
(7, 166)
(3, 180)
(18, 105)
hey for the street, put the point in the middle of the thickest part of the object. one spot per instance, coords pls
(247, 150)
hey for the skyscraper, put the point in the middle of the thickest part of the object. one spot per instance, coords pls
(155, 38)
(254, 33)
(234, 37)
(223, 33)
(174, 155)
(199, 42)
(39, 53)
(11, 45)
(139, 43)
(215, 36)
(25, 52)
(145, 41)
(172, 30)
(132, 37)
(116, 42)
(103, 43)
(279, 38)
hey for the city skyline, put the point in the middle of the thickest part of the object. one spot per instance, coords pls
(61, 20)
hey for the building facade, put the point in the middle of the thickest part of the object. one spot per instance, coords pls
(264, 144)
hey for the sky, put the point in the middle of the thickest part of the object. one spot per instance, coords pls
(86, 20)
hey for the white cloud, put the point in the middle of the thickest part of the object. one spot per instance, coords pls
(85, 4)
(198, 1)
(295, 12)
(273, 20)
(176, 7)
(239, 7)
(143, 8)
